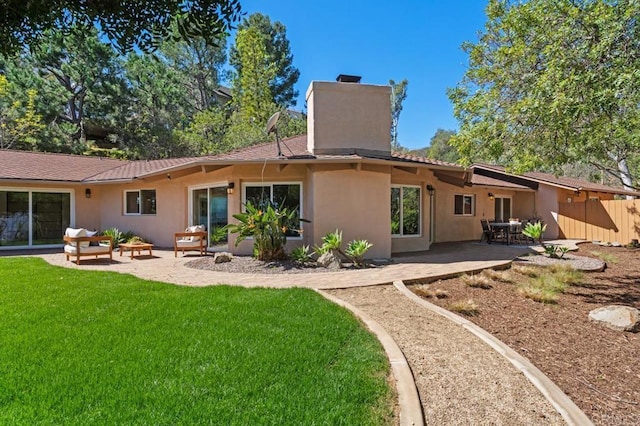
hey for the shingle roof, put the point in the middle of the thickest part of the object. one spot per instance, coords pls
(39, 166)
(489, 181)
(75, 168)
(560, 181)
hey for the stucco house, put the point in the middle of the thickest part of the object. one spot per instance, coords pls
(341, 175)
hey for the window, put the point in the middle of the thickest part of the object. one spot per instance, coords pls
(405, 210)
(464, 205)
(140, 202)
(34, 217)
(287, 195)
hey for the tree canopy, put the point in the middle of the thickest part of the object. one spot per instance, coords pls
(129, 25)
(273, 37)
(554, 82)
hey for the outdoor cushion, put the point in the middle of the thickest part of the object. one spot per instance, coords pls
(194, 228)
(86, 250)
(79, 232)
(184, 243)
(92, 234)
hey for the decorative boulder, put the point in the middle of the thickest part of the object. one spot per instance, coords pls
(617, 317)
(222, 257)
(330, 260)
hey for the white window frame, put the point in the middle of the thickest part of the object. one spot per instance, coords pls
(270, 185)
(139, 191)
(190, 198)
(419, 234)
(473, 205)
(72, 211)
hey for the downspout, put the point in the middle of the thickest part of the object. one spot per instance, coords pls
(432, 224)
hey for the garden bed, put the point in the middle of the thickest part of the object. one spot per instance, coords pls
(595, 366)
(250, 265)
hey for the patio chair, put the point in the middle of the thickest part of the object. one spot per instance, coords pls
(487, 232)
(193, 238)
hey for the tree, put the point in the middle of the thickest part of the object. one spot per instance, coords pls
(398, 95)
(552, 82)
(273, 36)
(440, 147)
(83, 75)
(130, 25)
(200, 65)
(19, 121)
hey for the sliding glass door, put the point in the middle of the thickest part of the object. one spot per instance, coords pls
(210, 208)
(33, 218)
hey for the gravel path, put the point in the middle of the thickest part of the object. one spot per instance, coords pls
(581, 263)
(444, 359)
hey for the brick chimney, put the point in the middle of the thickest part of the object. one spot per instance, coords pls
(346, 117)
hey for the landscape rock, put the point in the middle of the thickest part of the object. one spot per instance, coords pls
(222, 257)
(617, 317)
(616, 244)
(330, 260)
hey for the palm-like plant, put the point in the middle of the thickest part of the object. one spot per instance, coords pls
(267, 227)
(535, 231)
(356, 249)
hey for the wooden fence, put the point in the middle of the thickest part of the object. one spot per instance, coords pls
(611, 220)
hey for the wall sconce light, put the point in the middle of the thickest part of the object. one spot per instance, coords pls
(87, 193)
(168, 176)
(431, 189)
(230, 187)
(491, 195)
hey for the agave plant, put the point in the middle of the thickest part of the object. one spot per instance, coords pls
(356, 249)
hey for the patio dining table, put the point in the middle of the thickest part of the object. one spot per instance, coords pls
(509, 229)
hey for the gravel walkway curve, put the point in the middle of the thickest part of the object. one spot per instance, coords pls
(460, 379)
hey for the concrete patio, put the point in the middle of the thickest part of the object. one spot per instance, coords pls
(442, 260)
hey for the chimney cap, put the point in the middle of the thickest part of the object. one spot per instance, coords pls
(345, 78)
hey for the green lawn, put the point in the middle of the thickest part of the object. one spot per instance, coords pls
(79, 347)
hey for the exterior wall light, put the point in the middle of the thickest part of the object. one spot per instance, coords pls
(230, 187)
(431, 189)
(87, 193)
(491, 195)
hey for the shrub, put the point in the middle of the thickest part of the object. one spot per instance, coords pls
(538, 294)
(301, 254)
(503, 276)
(441, 294)
(117, 237)
(424, 292)
(608, 258)
(332, 241)
(566, 274)
(529, 271)
(356, 250)
(535, 231)
(464, 307)
(477, 281)
(218, 234)
(268, 228)
(135, 240)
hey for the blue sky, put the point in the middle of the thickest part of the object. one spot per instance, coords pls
(382, 40)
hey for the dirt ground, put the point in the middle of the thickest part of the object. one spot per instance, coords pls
(597, 367)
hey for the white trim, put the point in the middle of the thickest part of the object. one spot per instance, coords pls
(473, 205)
(270, 185)
(30, 191)
(139, 191)
(419, 234)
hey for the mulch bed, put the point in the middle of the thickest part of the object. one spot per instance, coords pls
(597, 367)
(249, 265)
